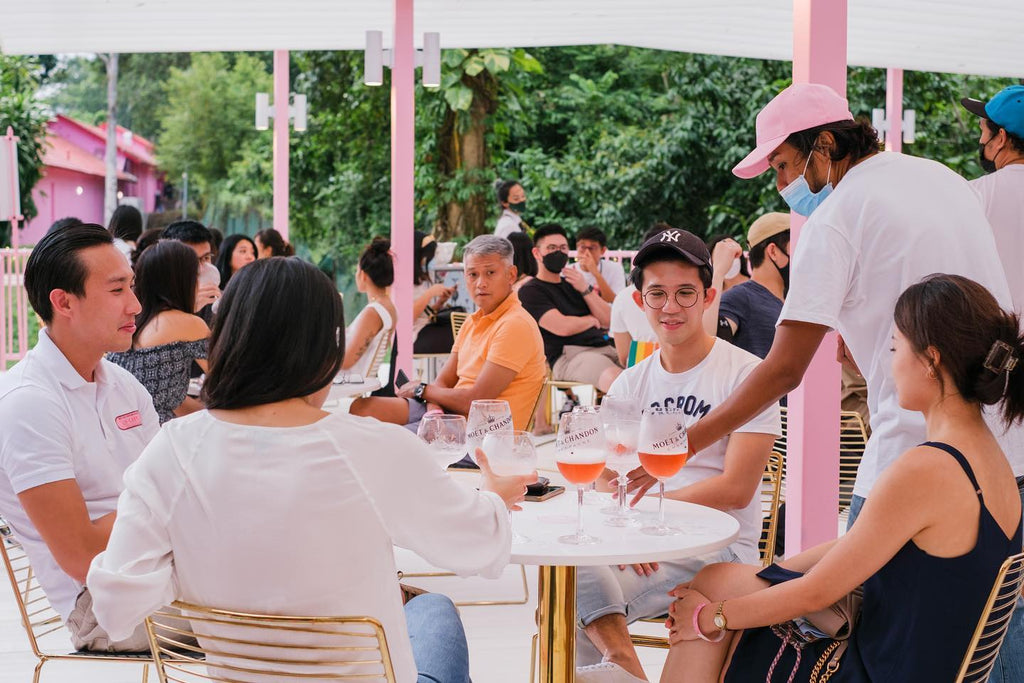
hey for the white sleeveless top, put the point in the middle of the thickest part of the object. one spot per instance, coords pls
(361, 366)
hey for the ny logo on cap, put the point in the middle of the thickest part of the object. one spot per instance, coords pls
(670, 236)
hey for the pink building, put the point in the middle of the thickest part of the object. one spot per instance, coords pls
(72, 182)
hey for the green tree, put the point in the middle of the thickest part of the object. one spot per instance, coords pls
(206, 125)
(27, 116)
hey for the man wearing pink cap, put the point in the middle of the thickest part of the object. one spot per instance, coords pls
(877, 223)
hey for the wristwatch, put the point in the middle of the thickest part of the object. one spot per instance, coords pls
(590, 288)
(418, 392)
(720, 622)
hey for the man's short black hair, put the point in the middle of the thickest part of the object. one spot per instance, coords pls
(757, 252)
(189, 232)
(1016, 141)
(62, 223)
(54, 264)
(548, 230)
(594, 234)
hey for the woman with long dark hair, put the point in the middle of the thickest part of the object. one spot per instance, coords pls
(168, 337)
(266, 503)
(269, 243)
(236, 252)
(375, 323)
(929, 541)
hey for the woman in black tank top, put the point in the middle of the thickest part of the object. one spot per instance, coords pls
(930, 539)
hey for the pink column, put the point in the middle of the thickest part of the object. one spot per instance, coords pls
(403, 141)
(894, 109)
(281, 142)
(812, 467)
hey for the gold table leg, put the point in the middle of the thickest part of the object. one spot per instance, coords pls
(556, 623)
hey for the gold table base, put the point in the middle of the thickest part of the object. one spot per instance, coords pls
(556, 623)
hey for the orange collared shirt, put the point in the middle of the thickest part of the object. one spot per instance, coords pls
(508, 337)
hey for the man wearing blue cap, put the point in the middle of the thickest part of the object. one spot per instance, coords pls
(1001, 190)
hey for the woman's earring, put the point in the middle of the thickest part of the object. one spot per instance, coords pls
(931, 372)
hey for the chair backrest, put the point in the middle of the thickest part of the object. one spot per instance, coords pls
(853, 438)
(37, 615)
(995, 620)
(771, 488)
(457, 318)
(379, 354)
(780, 443)
(240, 646)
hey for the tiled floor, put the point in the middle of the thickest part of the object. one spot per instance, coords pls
(499, 636)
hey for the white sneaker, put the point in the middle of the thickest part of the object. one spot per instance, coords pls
(605, 672)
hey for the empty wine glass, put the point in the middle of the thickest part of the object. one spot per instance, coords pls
(620, 418)
(511, 454)
(445, 436)
(580, 456)
(663, 450)
(486, 417)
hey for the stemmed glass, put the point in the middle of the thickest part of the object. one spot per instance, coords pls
(445, 436)
(580, 456)
(621, 420)
(663, 450)
(511, 454)
(486, 417)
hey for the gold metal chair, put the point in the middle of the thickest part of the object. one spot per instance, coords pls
(473, 603)
(995, 620)
(853, 438)
(40, 619)
(457, 318)
(239, 646)
(771, 494)
(379, 354)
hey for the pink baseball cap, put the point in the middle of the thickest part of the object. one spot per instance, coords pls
(798, 107)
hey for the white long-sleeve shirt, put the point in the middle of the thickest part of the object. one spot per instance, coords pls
(297, 520)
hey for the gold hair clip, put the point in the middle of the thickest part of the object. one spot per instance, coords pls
(1000, 358)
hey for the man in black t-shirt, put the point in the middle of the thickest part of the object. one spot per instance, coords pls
(572, 316)
(749, 311)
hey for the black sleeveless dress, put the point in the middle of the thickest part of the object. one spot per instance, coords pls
(918, 617)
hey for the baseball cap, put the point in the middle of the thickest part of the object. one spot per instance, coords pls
(798, 107)
(768, 225)
(1005, 109)
(681, 242)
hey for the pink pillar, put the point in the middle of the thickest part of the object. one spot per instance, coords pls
(281, 142)
(403, 141)
(812, 468)
(894, 109)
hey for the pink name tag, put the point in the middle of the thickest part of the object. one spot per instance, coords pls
(128, 420)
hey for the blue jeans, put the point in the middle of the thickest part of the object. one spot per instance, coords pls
(604, 590)
(1009, 666)
(439, 645)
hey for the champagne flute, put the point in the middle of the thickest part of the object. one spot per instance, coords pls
(580, 456)
(621, 420)
(486, 417)
(663, 451)
(511, 454)
(445, 436)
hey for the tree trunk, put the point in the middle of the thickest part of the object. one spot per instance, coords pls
(110, 184)
(474, 161)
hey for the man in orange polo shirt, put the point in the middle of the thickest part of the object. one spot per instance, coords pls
(498, 354)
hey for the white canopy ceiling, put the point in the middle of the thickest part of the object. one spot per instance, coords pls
(981, 37)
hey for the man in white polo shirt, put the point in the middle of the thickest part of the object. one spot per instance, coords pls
(71, 421)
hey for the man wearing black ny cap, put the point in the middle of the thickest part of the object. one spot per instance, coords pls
(1001, 152)
(692, 372)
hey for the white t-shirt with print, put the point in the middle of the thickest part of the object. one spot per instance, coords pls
(698, 391)
(629, 318)
(1002, 197)
(893, 220)
(612, 272)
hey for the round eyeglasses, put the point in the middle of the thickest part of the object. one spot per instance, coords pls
(658, 298)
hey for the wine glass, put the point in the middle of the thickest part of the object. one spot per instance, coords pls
(620, 418)
(590, 496)
(580, 456)
(486, 417)
(445, 436)
(511, 454)
(663, 451)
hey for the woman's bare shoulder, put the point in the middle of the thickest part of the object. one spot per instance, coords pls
(172, 326)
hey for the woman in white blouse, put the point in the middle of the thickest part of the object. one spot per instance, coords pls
(265, 503)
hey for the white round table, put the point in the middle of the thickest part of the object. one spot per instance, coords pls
(704, 530)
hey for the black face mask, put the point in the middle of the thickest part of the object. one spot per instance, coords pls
(986, 165)
(784, 272)
(555, 261)
(518, 207)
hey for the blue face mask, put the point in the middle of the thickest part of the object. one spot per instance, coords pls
(799, 196)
